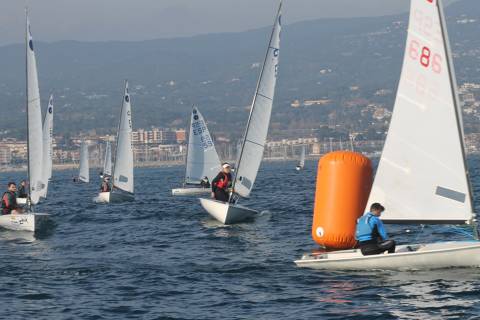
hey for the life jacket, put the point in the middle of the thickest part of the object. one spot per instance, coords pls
(364, 230)
(105, 187)
(7, 202)
(223, 184)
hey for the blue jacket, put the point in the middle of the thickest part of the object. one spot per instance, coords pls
(370, 227)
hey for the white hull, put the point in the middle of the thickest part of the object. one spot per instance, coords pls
(103, 197)
(190, 191)
(114, 197)
(21, 201)
(23, 222)
(227, 213)
(423, 257)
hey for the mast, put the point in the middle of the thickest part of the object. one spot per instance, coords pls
(188, 146)
(458, 107)
(118, 132)
(237, 169)
(27, 25)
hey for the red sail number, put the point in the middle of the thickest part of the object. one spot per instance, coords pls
(425, 57)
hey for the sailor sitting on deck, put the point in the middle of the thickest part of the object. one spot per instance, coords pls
(22, 190)
(204, 183)
(105, 187)
(371, 234)
(222, 183)
(9, 200)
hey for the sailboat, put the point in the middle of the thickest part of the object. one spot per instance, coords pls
(422, 177)
(47, 136)
(122, 186)
(254, 139)
(107, 162)
(30, 220)
(202, 158)
(301, 162)
(84, 174)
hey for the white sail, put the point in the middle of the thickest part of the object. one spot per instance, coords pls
(301, 163)
(202, 158)
(34, 122)
(107, 163)
(123, 169)
(47, 146)
(257, 127)
(84, 174)
(422, 175)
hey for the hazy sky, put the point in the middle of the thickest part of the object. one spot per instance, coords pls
(94, 20)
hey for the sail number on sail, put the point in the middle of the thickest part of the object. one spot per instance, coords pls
(199, 129)
(424, 29)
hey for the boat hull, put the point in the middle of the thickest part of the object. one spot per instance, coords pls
(227, 213)
(114, 197)
(423, 257)
(23, 222)
(190, 191)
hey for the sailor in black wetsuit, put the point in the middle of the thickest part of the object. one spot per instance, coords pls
(222, 183)
(204, 183)
(22, 190)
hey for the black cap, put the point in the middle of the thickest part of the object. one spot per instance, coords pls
(377, 206)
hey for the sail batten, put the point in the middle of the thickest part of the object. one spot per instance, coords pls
(254, 140)
(123, 167)
(422, 176)
(34, 121)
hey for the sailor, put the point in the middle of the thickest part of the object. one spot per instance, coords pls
(205, 183)
(105, 187)
(9, 200)
(371, 234)
(222, 183)
(22, 190)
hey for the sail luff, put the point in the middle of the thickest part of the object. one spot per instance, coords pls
(263, 97)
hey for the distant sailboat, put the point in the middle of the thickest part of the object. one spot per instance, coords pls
(47, 134)
(422, 177)
(107, 162)
(254, 139)
(84, 174)
(31, 221)
(301, 162)
(122, 188)
(202, 158)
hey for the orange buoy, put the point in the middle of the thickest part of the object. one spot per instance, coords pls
(344, 180)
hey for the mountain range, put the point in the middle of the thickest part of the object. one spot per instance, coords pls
(337, 60)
